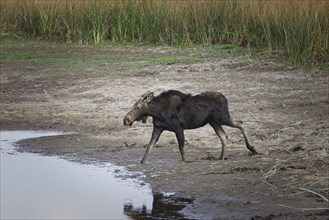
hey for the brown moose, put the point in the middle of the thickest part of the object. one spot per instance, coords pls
(176, 111)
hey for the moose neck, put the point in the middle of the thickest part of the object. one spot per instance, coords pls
(154, 109)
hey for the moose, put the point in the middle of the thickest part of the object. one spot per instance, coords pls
(176, 111)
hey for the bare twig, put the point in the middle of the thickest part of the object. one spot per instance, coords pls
(319, 180)
(315, 193)
(22, 95)
(243, 178)
(293, 125)
(270, 173)
(271, 185)
(312, 209)
(325, 189)
(254, 116)
(45, 92)
(286, 206)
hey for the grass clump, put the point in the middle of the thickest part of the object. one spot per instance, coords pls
(294, 30)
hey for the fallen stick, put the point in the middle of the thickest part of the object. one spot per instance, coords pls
(270, 173)
(315, 193)
(254, 116)
(271, 185)
(22, 95)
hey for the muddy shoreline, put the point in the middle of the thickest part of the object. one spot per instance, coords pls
(283, 109)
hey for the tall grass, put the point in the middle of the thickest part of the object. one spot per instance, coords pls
(295, 30)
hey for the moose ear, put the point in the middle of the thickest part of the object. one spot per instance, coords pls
(148, 96)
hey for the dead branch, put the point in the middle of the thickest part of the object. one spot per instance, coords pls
(315, 193)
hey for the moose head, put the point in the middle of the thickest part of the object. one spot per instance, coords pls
(139, 110)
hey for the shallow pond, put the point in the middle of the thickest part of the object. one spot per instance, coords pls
(43, 187)
(40, 187)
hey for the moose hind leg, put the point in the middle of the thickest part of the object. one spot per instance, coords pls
(238, 125)
(154, 139)
(222, 136)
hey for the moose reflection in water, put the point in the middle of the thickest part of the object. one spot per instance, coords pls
(176, 111)
(164, 207)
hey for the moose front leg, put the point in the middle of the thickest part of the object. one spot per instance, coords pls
(181, 139)
(154, 139)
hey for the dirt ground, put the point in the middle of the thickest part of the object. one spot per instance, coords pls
(285, 111)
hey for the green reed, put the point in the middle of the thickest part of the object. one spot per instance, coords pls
(294, 30)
